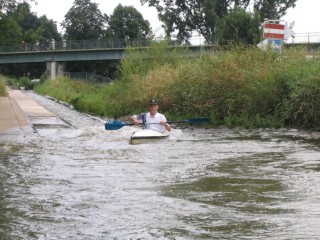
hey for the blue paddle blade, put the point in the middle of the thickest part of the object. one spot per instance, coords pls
(113, 125)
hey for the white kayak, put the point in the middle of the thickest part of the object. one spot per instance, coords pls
(147, 135)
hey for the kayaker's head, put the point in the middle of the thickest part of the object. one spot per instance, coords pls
(153, 105)
(153, 102)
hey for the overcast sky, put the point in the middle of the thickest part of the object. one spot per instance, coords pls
(305, 15)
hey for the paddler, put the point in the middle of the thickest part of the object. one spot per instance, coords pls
(153, 119)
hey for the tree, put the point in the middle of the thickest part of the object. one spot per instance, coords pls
(5, 4)
(238, 27)
(10, 31)
(19, 30)
(127, 22)
(84, 21)
(183, 17)
(273, 9)
(47, 29)
(32, 28)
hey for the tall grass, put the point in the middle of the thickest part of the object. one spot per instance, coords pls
(239, 86)
(138, 62)
(3, 86)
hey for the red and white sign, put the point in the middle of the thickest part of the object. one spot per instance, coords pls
(274, 31)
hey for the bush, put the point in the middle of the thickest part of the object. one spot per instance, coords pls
(2, 86)
(12, 81)
(25, 83)
(44, 77)
(21, 83)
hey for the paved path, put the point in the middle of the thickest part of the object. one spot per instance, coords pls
(18, 113)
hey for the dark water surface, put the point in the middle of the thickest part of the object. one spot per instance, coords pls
(84, 182)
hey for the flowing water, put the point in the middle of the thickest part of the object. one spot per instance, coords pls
(83, 182)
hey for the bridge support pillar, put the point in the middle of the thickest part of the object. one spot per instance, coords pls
(61, 69)
(55, 69)
(52, 69)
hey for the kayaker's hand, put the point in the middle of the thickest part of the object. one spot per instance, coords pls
(162, 123)
(166, 125)
(135, 121)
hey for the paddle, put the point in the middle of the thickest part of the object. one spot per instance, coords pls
(116, 124)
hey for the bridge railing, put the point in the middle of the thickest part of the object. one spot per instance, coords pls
(73, 45)
(312, 37)
(70, 45)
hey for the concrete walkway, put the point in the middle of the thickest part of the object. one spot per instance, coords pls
(18, 113)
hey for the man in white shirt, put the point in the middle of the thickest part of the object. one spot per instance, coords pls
(153, 119)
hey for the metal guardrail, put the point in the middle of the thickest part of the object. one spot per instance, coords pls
(304, 38)
(73, 45)
(69, 45)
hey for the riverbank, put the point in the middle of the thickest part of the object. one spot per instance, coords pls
(237, 87)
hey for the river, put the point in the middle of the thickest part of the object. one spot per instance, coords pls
(83, 182)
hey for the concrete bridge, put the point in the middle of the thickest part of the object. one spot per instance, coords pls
(55, 54)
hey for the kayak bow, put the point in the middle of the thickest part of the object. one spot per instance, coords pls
(147, 136)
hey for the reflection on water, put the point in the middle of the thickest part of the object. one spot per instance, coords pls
(84, 182)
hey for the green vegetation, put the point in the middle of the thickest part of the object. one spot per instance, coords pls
(23, 82)
(236, 87)
(3, 86)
